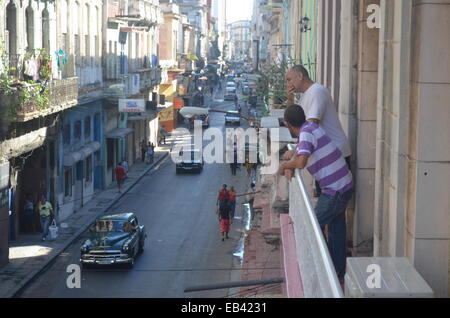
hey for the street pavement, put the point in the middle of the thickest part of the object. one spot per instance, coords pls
(183, 247)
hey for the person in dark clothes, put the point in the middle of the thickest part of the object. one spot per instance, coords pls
(143, 150)
(224, 219)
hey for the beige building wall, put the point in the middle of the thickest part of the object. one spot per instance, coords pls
(393, 103)
(413, 149)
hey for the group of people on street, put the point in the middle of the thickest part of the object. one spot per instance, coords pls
(226, 206)
(323, 149)
(45, 212)
(147, 152)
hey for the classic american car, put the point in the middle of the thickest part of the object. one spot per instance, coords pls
(113, 239)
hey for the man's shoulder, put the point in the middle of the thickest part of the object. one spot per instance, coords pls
(309, 128)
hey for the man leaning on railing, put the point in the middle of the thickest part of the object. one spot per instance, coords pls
(325, 162)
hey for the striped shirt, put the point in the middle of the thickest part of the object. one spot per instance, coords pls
(326, 162)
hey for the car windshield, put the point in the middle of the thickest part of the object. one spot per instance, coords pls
(112, 226)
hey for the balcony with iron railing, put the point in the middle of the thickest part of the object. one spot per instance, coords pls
(23, 98)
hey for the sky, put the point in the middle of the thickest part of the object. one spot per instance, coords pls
(239, 10)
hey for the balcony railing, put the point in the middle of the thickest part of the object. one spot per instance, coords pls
(318, 276)
(63, 94)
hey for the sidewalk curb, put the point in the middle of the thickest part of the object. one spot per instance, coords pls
(24, 282)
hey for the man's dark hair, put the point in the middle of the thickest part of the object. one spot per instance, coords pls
(295, 116)
(300, 69)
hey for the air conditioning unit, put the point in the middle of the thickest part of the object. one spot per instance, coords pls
(384, 277)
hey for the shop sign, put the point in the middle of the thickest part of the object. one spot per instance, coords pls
(131, 105)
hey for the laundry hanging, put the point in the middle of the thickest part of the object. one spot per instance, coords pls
(61, 58)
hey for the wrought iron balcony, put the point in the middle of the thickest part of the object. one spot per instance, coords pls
(21, 104)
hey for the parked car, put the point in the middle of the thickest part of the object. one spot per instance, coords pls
(232, 117)
(113, 239)
(246, 90)
(191, 160)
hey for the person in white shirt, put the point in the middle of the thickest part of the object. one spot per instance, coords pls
(319, 108)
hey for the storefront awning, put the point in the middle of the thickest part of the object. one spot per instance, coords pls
(119, 133)
(73, 157)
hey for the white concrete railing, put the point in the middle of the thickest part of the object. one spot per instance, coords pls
(319, 278)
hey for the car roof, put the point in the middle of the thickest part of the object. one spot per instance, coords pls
(117, 216)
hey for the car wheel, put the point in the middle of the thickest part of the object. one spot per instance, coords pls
(141, 247)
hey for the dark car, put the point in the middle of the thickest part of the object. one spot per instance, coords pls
(191, 160)
(232, 117)
(113, 239)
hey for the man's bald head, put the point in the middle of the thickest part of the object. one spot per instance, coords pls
(297, 79)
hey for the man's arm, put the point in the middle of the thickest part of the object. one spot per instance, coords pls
(298, 162)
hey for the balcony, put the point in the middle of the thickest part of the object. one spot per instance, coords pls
(128, 85)
(25, 102)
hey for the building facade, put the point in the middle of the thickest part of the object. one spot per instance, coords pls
(387, 71)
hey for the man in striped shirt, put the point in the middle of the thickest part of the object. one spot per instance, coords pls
(322, 158)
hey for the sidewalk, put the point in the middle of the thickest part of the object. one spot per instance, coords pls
(28, 256)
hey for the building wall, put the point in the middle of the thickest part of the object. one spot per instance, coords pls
(394, 84)
(79, 29)
(82, 186)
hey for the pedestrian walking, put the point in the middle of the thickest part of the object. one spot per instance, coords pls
(232, 203)
(162, 134)
(223, 196)
(249, 167)
(46, 214)
(224, 219)
(143, 150)
(120, 176)
(29, 214)
(125, 165)
(150, 154)
(319, 108)
(322, 158)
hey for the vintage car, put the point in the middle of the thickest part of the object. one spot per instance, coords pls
(113, 239)
(191, 160)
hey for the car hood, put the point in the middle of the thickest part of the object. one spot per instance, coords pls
(108, 239)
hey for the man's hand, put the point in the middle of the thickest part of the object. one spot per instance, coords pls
(290, 92)
(288, 155)
(289, 173)
(282, 168)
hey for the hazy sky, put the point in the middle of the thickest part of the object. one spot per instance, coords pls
(239, 10)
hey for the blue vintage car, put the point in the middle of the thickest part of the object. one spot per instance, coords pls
(113, 239)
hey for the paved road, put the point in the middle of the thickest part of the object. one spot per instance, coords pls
(183, 247)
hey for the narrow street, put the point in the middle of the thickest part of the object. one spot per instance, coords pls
(183, 247)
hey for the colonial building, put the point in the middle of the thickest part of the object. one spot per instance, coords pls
(31, 111)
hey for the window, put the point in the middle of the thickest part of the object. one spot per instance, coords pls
(87, 127)
(77, 130)
(88, 174)
(30, 27)
(68, 182)
(66, 134)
